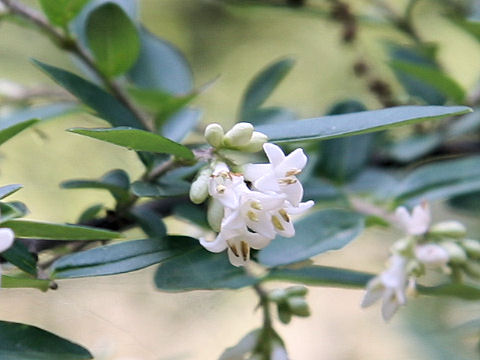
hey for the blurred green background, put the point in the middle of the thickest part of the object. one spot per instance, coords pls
(123, 317)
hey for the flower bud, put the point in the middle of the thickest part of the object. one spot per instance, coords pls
(472, 269)
(472, 247)
(214, 134)
(452, 229)
(199, 187)
(215, 214)
(455, 252)
(284, 313)
(256, 142)
(239, 135)
(277, 295)
(298, 306)
(297, 290)
(431, 255)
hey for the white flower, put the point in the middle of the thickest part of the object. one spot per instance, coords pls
(418, 222)
(279, 175)
(389, 285)
(432, 255)
(7, 237)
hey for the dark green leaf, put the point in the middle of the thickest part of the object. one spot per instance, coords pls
(12, 210)
(18, 255)
(196, 214)
(43, 230)
(161, 66)
(7, 131)
(414, 147)
(120, 257)
(315, 234)
(105, 105)
(26, 342)
(433, 77)
(138, 140)
(90, 213)
(462, 291)
(333, 126)
(269, 115)
(113, 39)
(145, 189)
(115, 181)
(9, 190)
(150, 222)
(467, 202)
(60, 12)
(14, 282)
(199, 269)
(263, 85)
(321, 276)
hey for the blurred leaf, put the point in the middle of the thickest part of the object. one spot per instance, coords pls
(269, 115)
(138, 140)
(90, 213)
(8, 190)
(198, 269)
(333, 126)
(433, 77)
(26, 342)
(317, 233)
(7, 131)
(145, 189)
(195, 214)
(43, 230)
(120, 257)
(471, 27)
(150, 222)
(41, 112)
(106, 106)
(116, 182)
(113, 39)
(467, 202)
(440, 180)
(321, 276)
(464, 125)
(14, 282)
(414, 147)
(263, 85)
(178, 126)
(161, 66)
(462, 291)
(12, 210)
(60, 12)
(320, 190)
(19, 256)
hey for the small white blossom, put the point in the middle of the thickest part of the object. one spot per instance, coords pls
(7, 237)
(390, 285)
(416, 223)
(432, 255)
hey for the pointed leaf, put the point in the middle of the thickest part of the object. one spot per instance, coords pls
(17, 282)
(7, 131)
(146, 189)
(9, 190)
(333, 126)
(138, 140)
(60, 12)
(18, 255)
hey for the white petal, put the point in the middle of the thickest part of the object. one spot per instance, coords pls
(274, 153)
(253, 172)
(374, 292)
(302, 207)
(295, 160)
(294, 192)
(216, 246)
(237, 260)
(258, 241)
(268, 182)
(432, 255)
(7, 236)
(389, 307)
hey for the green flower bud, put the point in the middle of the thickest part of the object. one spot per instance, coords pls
(214, 134)
(403, 246)
(284, 313)
(256, 142)
(199, 187)
(215, 214)
(455, 252)
(297, 290)
(472, 247)
(277, 295)
(452, 229)
(298, 306)
(239, 135)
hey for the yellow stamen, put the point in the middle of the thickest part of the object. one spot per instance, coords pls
(284, 215)
(233, 248)
(252, 216)
(277, 224)
(287, 181)
(293, 172)
(256, 205)
(245, 250)
(221, 189)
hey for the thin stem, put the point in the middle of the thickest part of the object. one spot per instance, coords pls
(69, 44)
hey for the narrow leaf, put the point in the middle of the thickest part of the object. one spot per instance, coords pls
(7, 131)
(138, 140)
(16, 282)
(9, 190)
(18, 255)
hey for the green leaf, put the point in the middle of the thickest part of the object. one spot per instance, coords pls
(120, 257)
(467, 202)
(150, 222)
(472, 27)
(16, 282)
(90, 213)
(263, 85)
(12, 210)
(334, 126)
(145, 189)
(434, 77)
(462, 291)
(161, 66)
(138, 140)
(26, 342)
(317, 233)
(113, 39)
(7, 131)
(60, 12)
(8, 190)
(105, 105)
(42, 112)
(18, 255)
(116, 182)
(198, 269)
(269, 115)
(190, 212)
(320, 276)
(178, 126)
(414, 147)
(43, 230)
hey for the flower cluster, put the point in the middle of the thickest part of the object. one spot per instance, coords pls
(442, 246)
(248, 209)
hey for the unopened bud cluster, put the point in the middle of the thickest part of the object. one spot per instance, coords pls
(290, 302)
(443, 246)
(248, 205)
